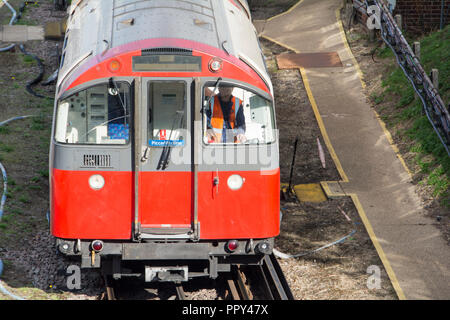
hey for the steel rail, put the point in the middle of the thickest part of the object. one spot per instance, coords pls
(273, 273)
(110, 293)
(181, 295)
(246, 283)
(237, 284)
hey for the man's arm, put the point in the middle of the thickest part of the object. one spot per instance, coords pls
(240, 120)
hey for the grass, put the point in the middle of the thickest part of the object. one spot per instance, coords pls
(24, 146)
(431, 157)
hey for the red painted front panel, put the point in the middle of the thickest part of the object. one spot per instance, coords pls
(251, 212)
(98, 67)
(165, 198)
(79, 212)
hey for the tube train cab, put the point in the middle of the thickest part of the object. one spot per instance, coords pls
(164, 152)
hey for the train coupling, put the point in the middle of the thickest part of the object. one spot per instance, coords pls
(164, 274)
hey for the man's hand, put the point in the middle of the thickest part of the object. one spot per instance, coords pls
(241, 138)
(211, 135)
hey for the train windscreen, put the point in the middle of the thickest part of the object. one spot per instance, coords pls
(167, 113)
(97, 115)
(235, 115)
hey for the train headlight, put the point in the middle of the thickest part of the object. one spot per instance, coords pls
(96, 182)
(215, 65)
(235, 182)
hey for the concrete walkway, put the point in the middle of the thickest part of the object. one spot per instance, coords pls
(413, 252)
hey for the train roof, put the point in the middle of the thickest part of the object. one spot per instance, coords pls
(97, 26)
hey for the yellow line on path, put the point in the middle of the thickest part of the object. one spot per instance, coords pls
(363, 84)
(325, 136)
(336, 160)
(392, 143)
(279, 43)
(354, 196)
(286, 12)
(347, 46)
(378, 247)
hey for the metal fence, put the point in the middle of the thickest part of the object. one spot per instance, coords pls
(380, 17)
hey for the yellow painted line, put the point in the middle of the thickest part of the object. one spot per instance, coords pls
(363, 84)
(330, 194)
(354, 197)
(392, 143)
(279, 43)
(316, 113)
(337, 162)
(378, 247)
(347, 46)
(311, 192)
(321, 125)
(286, 12)
(326, 188)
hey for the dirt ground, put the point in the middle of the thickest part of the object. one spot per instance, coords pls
(32, 267)
(34, 270)
(375, 69)
(340, 271)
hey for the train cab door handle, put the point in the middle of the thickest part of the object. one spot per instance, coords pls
(145, 154)
(216, 182)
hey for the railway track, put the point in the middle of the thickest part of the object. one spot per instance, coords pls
(265, 281)
(249, 282)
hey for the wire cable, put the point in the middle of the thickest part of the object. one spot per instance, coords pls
(2, 205)
(40, 75)
(406, 58)
(289, 256)
(11, 22)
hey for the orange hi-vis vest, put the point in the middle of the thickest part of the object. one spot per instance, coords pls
(217, 120)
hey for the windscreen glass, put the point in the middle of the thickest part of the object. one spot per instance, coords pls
(167, 113)
(97, 115)
(235, 115)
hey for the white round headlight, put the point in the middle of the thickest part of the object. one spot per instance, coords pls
(235, 182)
(96, 182)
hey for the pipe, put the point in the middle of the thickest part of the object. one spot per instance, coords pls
(2, 204)
(11, 22)
(38, 78)
(432, 94)
(5, 186)
(5, 189)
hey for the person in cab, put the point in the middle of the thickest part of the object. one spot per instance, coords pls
(226, 120)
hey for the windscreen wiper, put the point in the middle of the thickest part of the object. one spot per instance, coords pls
(212, 95)
(165, 155)
(113, 85)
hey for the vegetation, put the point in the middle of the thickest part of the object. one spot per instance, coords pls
(431, 157)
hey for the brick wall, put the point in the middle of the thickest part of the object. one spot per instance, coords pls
(421, 16)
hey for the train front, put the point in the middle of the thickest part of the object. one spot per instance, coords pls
(164, 161)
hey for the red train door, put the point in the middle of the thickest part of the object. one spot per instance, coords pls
(163, 170)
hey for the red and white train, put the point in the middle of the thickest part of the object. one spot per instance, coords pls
(145, 178)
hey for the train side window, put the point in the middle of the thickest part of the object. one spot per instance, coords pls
(167, 113)
(97, 115)
(235, 115)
